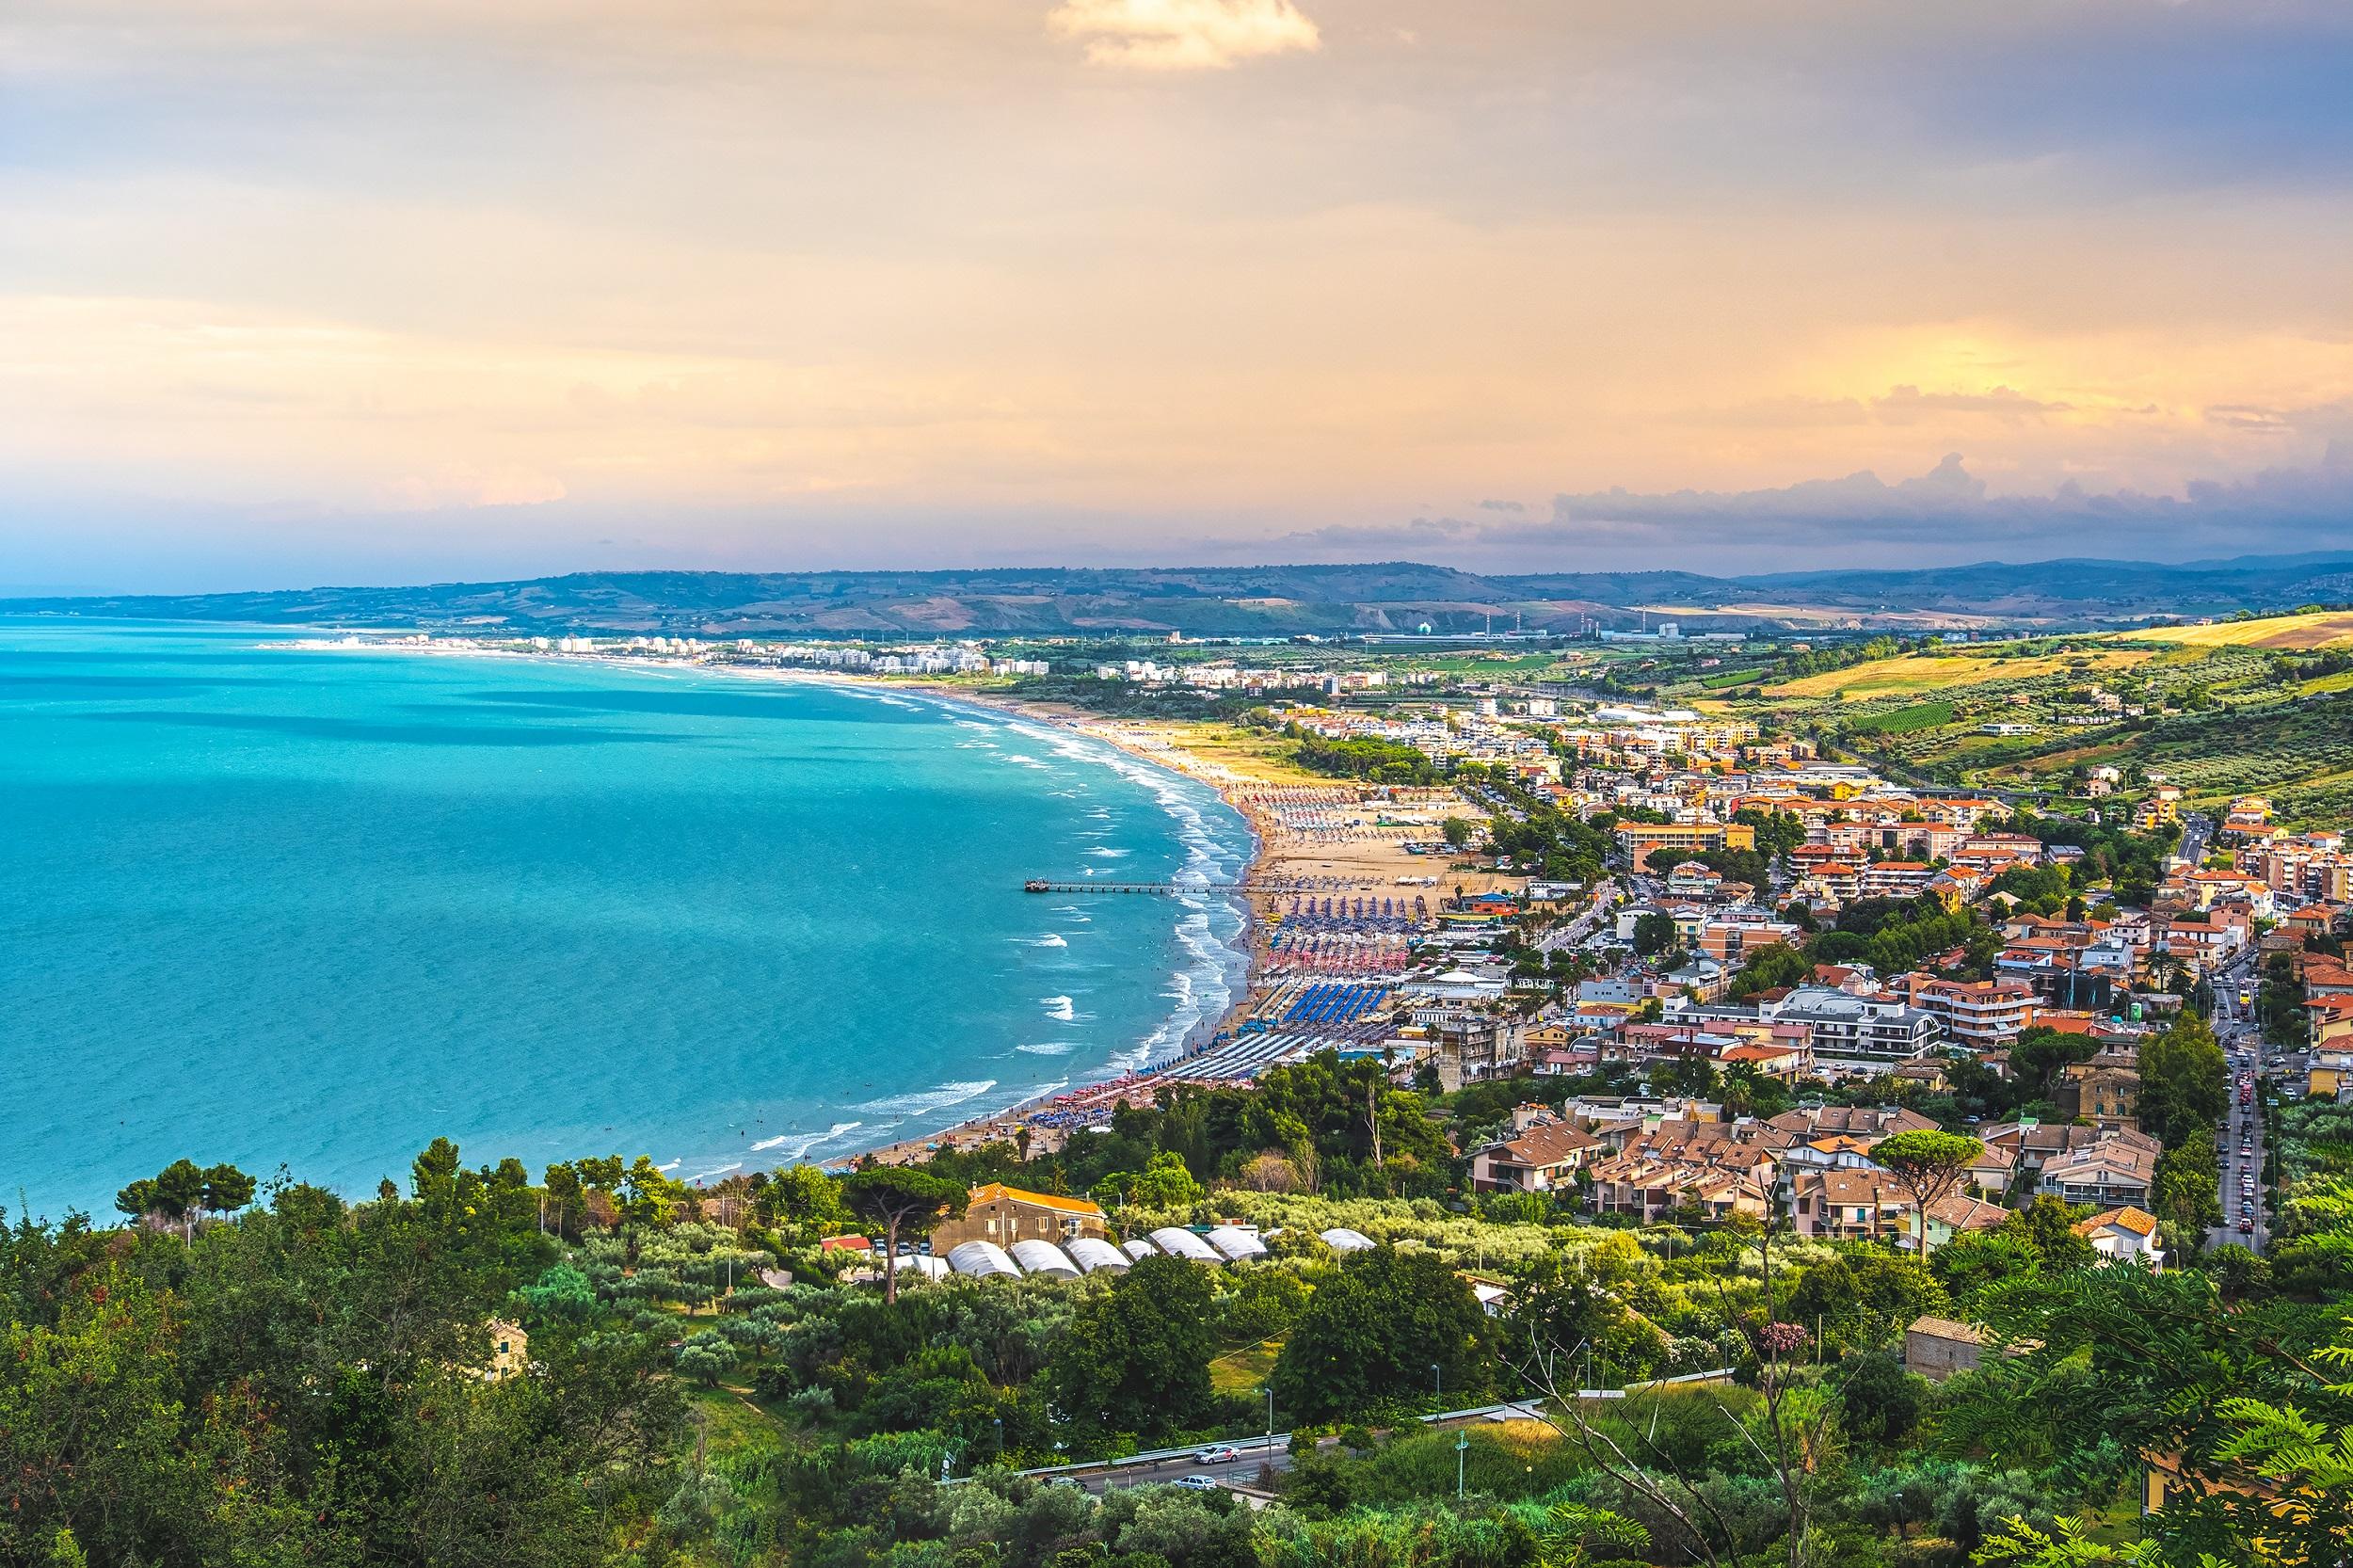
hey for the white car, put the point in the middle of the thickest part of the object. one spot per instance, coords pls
(1194, 1483)
(1221, 1454)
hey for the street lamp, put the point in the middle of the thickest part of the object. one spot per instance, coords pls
(1437, 1375)
(1270, 1417)
(1462, 1446)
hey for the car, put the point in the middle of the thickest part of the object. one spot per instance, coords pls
(1194, 1483)
(1220, 1453)
(2247, 1228)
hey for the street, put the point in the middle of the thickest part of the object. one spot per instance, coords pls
(2240, 1137)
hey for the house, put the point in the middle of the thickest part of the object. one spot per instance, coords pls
(1788, 1062)
(1543, 1159)
(1936, 1348)
(1871, 1122)
(510, 1351)
(1868, 1204)
(2105, 1096)
(2328, 1075)
(1002, 1215)
(2033, 1144)
(1865, 1204)
(2109, 1174)
(1720, 1168)
(2129, 1234)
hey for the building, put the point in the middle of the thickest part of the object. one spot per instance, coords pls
(2109, 1174)
(1638, 842)
(1980, 1014)
(1850, 1034)
(1936, 1348)
(1002, 1215)
(2105, 1094)
(2128, 1234)
(1544, 1157)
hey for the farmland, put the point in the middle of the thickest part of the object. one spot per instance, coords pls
(2236, 707)
(1937, 672)
(2313, 630)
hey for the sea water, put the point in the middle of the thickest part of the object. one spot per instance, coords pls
(278, 904)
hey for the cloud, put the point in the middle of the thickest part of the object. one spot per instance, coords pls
(1184, 34)
(1501, 506)
(1942, 517)
(1905, 402)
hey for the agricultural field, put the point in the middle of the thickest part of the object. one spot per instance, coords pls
(2315, 629)
(2256, 706)
(1938, 672)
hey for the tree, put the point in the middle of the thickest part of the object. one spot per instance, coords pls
(1136, 1357)
(226, 1189)
(1878, 1401)
(2048, 1226)
(1863, 1295)
(804, 1199)
(1166, 1183)
(1375, 1331)
(1927, 1166)
(2184, 1081)
(181, 1191)
(561, 1292)
(708, 1356)
(2186, 1194)
(1654, 934)
(1456, 831)
(1774, 966)
(901, 1202)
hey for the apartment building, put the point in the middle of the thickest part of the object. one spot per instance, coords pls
(1980, 1014)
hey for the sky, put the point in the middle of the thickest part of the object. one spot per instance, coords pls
(374, 291)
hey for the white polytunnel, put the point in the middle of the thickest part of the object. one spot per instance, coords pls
(1236, 1244)
(930, 1268)
(1178, 1242)
(1341, 1239)
(1140, 1249)
(1092, 1253)
(982, 1260)
(1044, 1260)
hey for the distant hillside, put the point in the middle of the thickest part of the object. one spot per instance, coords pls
(1267, 600)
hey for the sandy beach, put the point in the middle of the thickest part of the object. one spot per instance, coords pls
(1311, 833)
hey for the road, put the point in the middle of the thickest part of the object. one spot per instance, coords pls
(1257, 1453)
(2241, 1135)
(1597, 908)
(1238, 1472)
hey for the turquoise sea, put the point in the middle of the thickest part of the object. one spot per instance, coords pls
(313, 906)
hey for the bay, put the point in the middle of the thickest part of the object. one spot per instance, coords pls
(274, 904)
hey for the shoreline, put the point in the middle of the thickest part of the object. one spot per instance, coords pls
(1002, 1124)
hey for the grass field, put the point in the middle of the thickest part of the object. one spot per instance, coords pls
(730, 1420)
(2326, 628)
(1245, 1371)
(1935, 672)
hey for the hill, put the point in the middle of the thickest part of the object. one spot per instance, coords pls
(1275, 600)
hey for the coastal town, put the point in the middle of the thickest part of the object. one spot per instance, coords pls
(1618, 898)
